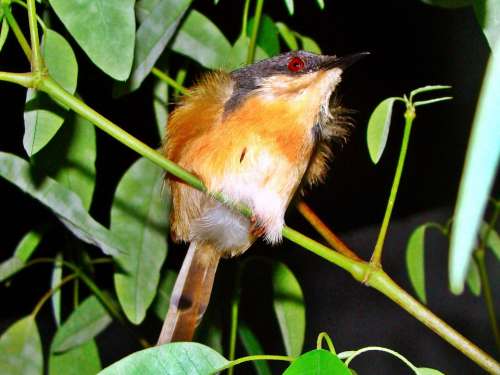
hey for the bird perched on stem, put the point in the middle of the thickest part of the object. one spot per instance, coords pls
(255, 135)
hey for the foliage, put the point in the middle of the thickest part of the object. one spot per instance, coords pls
(128, 41)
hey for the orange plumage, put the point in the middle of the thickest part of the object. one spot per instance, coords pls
(253, 135)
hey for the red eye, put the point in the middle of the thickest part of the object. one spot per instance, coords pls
(295, 64)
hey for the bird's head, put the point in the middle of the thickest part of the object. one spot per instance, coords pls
(291, 76)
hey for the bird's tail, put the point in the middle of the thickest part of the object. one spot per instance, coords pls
(191, 293)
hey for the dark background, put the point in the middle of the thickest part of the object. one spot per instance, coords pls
(411, 45)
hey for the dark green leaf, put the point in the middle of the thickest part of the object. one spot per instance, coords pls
(493, 240)
(253, 347)
(289, 308)
(200, 39)
(152, 37)
(21, 349)
(70, 157)
(180, 358)
(85, 322)
(143, 9)
(3, 33)
(63, 202)
(55, 281)
(290, 6)
(317, 362)
(288, 36)
(104, 29)
(488, 16)
(42, 117)
(140, 216)
(480, 167)
(378, 129)
(81, 360)
(160, 106)
(162, 299)
(23, 252)
(267, 38)
(415, 263)
(449, 3)
(473, 279)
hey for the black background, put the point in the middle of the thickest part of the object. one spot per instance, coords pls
(411, 45)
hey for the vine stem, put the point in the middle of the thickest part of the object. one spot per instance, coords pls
(244, 21)
(377, 252)
(235, 304)
(36, 61)
(17, 31)
(358, 269)
(50, 292)
(261, 357)
(255, 32)
(170, 81)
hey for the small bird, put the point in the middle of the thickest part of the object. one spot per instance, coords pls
(256, 135)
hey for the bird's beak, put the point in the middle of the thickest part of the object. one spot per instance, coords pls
(342, 62)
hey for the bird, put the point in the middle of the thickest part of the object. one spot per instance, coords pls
(257, 135)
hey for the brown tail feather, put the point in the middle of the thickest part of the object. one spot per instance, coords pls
(191, 293)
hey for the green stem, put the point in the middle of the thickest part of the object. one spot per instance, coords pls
(319, 342)
(380, 349)
(49, 294)
(25, 6)
(170, 81)
(235, 302)
(17, 31)
(377, 252)
(255, 32)
(479, 256)
(36, 61)
(244, 21)
(23, 79)
(249, 358)
(384, 284)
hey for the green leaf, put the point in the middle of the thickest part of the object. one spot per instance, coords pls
(180, 358)
(488, 16)
(63, 202)
(21, 349)
(321, 4)
(160, 106)
(378, 128)
(428, 371)
(474, 279)
(70, 157)
(317, 362)
(152, 37)
(288, 36)
(290, 6)
(448, 3)
(162, 299)
(56, 297)
(85, 322)
(480, 167)
(310, 45)
(289, 308)
(42, 117)
(81, 360)
(200, 39)
(267, 38)
(104, 29)
(140, 216)
(23, 252)
(4, 33)
(493, 240)
(253, 347)
(238, 56)
(415, 261)
(143, 9)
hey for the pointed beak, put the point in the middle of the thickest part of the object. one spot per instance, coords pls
(342, 62)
